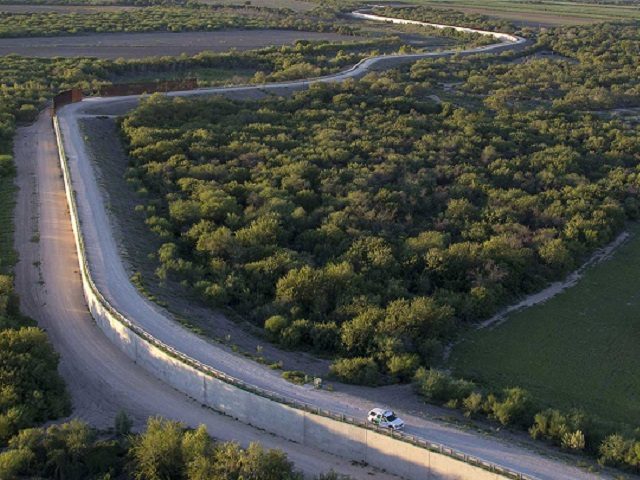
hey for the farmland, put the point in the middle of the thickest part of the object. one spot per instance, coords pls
(579, 348)
(545, 13)
(138, 45)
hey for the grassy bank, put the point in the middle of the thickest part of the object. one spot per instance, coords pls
(578, 349)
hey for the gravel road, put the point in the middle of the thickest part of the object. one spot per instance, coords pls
(57, 252)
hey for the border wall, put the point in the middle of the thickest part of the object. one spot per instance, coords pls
(354, 439)
(65, 98)
(120, 89)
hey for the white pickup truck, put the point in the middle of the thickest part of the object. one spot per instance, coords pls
(385, 418)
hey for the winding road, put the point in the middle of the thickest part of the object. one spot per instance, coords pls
(102, 380)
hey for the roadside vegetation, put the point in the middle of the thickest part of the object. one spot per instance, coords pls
(32, 391)
(571, 429)
(447, 17)
(165, 450)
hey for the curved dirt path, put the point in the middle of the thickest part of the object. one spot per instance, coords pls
(111, 278)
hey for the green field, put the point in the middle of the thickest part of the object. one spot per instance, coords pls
(544, 12)
(581, 348)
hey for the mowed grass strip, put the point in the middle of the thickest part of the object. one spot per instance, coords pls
(552, 13)
(7, 203)
(580, 349)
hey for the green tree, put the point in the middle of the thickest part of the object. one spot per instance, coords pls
(157, 453)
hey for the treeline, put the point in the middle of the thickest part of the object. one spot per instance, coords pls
(365, 221)
(167, 19)
(571, 430)
(598, 72)
(301, 60)
(165, 450)
(447, 16)
(32, 391)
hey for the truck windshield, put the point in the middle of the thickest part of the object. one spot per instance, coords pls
(391, 417)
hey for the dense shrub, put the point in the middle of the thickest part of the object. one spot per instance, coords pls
(165, 450)
(617, 450)
(369, 218)
(32, 391)
(274, 325)
(358, 370)
(6, 165)
(438, 386)
(472, 405)
(403, 366)
(515, 407)
(560, 428)
(167, 19)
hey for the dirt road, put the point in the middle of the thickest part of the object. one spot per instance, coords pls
(100, 378)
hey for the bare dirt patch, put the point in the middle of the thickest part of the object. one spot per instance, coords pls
(138, 45)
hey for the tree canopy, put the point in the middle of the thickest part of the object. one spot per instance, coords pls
(370, 221)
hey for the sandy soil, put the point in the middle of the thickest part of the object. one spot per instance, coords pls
(137, 45)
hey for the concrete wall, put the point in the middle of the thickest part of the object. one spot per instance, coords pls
(393, 452)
